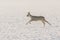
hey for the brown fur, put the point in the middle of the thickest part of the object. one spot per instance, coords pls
(37, 18)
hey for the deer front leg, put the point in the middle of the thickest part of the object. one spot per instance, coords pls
(29, 22)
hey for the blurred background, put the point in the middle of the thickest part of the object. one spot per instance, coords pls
(13, 20)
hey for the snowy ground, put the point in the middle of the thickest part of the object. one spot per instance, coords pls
(13, 19)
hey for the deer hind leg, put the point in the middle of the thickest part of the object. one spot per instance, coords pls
(47, 22)
(29, 21)
(43, 22)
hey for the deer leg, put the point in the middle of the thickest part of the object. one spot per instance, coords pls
(47, 22)
(29, 22)
(43, 23)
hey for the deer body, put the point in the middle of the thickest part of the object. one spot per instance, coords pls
(37, 18)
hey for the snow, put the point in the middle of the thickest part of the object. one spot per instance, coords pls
(13, 20)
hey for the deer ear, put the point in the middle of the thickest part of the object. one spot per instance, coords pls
(28, 12)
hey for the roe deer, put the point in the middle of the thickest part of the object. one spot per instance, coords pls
(37, 18)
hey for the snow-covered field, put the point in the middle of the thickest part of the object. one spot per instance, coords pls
(13, 20)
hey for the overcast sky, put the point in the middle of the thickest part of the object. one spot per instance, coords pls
(38, 6)
(31, 2)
